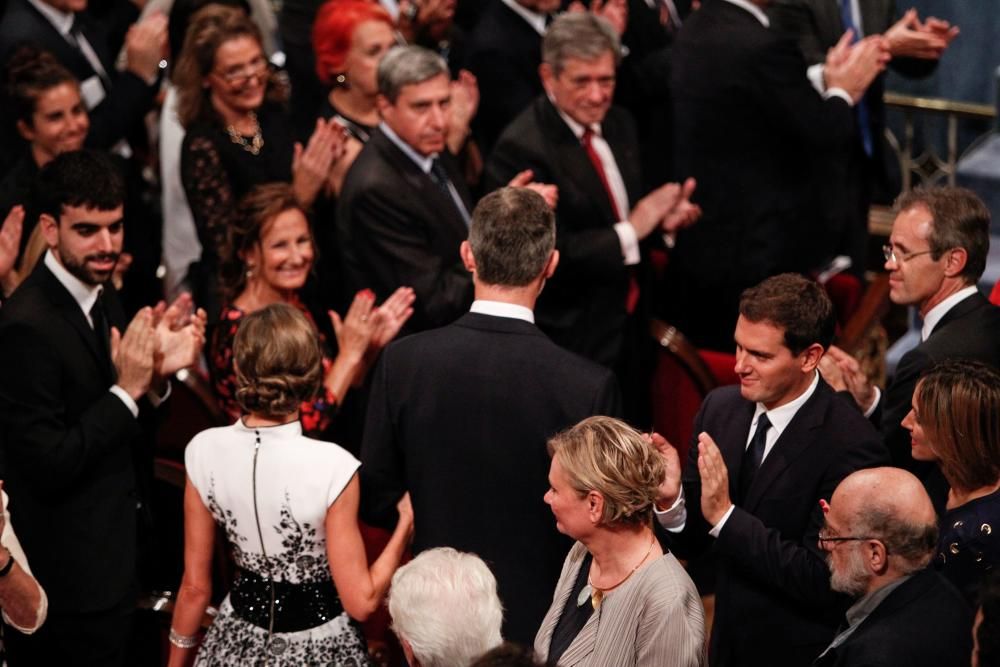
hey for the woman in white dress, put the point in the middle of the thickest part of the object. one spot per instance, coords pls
(288, 505)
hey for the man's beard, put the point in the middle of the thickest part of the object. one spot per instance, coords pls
(84, 274)
(853, 578)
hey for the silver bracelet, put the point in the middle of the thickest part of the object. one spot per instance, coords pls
(183, 641)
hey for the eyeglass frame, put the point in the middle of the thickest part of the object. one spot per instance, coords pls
(889, 253)
(820, 539)
(243, 73)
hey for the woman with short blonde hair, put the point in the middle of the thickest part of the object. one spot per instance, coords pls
(621, 599)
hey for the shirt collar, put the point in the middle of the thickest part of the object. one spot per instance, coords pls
(781, 416)
(935, 314)
(60, 20)
(422, 161)
(501, 309)
(85, 295)
(534, 19)
(753, 9)
(861, 609)
(290, 430)
(574, 126)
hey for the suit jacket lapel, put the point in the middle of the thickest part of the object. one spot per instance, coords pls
(70, 310)
(443, 207)
(628, 163)
(737, 434)
(573, 160)
(793, 442)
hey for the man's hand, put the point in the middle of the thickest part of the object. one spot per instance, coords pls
(671, 486)
(550, 193)
(684, 213)
(145, 46)
(910, 38)
(614, 12)
(853, 377)
(180, 335)
(10, 239)
(311, 165)
(133, 354)
(852, 67)
(715, 501)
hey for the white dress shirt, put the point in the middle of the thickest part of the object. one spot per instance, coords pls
(534, 19)
(502, 309)
(92, 89)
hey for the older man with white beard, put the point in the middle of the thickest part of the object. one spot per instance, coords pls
(880, 533)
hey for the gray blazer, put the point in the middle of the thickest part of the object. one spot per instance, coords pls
(654, 618)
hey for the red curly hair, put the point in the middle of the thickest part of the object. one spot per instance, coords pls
(333, 29)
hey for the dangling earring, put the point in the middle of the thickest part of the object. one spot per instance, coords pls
(250, 268)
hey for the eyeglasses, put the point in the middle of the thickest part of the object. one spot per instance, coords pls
(890, 255)
(242, 73)
(824, 537)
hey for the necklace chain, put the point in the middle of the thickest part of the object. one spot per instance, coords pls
(256, 142)
(597, 594)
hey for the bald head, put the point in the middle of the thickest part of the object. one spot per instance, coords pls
(890, 517)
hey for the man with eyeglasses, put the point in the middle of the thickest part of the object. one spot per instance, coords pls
(879, 534)
(935, 256)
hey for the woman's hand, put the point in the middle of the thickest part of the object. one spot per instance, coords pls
(405, 509)
(311, 165)
(391, 316)
(354, 332)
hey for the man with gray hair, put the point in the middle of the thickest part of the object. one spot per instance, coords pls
(573, 137)
(404, 208)
(460, 416)
(880, 533)
(445, 609)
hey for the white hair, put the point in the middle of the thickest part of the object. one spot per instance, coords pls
(444, 604)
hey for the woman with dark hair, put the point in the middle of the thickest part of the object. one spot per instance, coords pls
(955, 421)
(288, 505)
(237, 133)
(268, 261)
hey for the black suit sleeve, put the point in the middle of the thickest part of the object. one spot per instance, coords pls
(55, 454)
(126, 103)
(382, 472)
(895, 404)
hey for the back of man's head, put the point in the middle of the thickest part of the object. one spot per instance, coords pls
(959, 219)
(795, 304)
(891, 505)
(406, 66)
(445, 609)
(580, 35)
(83, 179)
(512, 235)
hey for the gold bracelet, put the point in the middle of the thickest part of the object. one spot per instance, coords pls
(183, 641)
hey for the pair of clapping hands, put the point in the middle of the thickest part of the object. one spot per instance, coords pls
(158, 342)
(715, 500)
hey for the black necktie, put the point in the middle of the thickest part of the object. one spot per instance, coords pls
(443, 182)
(102, 333)
(754, 454)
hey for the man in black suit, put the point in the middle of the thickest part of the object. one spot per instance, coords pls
(505, 50)
(765, 453)
(746, 126)
(87, 47)
(880, 534)
(460, 416)
(850, 176)
(404, 208)
(70, 395)
(936, 254)
(574, 138)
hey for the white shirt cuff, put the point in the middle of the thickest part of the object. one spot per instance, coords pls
(815, 76)
(871, 408)
(674, 517)
(126, 399)
(629, 242)
(717, 528)
(838, 92)
(156, 400)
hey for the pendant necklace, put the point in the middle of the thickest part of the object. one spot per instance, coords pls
(596, 594)
(256, 141)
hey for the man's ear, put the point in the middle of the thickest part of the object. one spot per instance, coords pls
(25, 130)
(811, 357)
(877, 556)
(550, 266)
(383, 104)
(465, 250)
(50, 229)
(956, 261)
(546, 75)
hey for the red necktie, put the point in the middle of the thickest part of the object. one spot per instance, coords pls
(632, 298)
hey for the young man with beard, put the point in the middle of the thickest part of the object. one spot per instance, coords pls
(72, 388)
